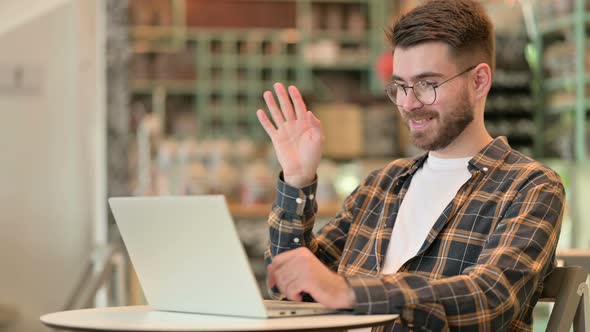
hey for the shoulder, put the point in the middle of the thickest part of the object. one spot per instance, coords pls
(528, 172)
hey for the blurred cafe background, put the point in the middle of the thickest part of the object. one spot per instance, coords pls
(102, 98)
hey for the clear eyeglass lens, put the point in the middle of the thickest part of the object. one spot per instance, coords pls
(424, 92)
(394, 92)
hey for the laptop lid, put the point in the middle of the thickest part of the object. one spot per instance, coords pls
(187, 254)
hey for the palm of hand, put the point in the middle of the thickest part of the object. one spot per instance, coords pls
(298, 147)
(296, 135)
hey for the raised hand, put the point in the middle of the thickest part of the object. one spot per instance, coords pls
(296, 135)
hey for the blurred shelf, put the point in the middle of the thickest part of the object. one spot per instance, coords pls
(151, 31)
(326, 210)
(560, 23)
(253, 61)
(512, 113)
(566, 107)
(573, 252)
(567, 83)
(361, 65)
(519, 139)
(580, 257)
(147, 48)
(179, 87)
(338, 1)
(192, 33)
(342, 36)
(572, 27)
(328, 1)
(511, 79)
(194, 87)
(225, 70)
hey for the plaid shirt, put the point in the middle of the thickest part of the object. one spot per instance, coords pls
(482, 264)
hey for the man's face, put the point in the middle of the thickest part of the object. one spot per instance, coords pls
(433, 127)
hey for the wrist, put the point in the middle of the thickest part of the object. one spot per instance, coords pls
(299, 181)
(348, 296)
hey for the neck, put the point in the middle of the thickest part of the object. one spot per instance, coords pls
(472, 140)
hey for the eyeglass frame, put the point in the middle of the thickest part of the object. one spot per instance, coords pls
(434, 87)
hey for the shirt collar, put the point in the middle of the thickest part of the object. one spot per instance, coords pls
(491, 155)
(416, 164)
(487, 158)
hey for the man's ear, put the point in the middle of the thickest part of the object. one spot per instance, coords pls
(482, 80)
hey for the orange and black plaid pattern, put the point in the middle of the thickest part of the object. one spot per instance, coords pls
(479, 269)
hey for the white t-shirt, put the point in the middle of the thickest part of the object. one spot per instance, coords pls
(433, 187)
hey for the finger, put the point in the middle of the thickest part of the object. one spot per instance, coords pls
(270, 277)
(285, 273)
(293, 291)
(276, 114)
(283, 281)
(300, 108)
(315, 122)
(283, 268)
(266, 124)
(284, 101)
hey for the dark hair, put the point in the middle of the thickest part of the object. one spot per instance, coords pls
(464, 25)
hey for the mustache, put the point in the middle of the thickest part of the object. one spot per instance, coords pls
(419, 114)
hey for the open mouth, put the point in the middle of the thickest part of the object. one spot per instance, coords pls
(421, 123)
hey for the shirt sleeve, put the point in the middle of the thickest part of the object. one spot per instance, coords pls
(291, 224)
(488, 295)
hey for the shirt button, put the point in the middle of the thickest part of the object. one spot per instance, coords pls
(311, 196)
(296, 240)
(485, 169)
(299, 200)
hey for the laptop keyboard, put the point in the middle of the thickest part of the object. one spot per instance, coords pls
(274, 304)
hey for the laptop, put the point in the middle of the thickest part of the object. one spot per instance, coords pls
(188, 258)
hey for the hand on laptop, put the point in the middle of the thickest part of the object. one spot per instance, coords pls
(296, 135)
(298, 270)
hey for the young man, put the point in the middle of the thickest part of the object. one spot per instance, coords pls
(459, 238)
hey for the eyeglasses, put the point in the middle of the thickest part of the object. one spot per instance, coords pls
(424, 91)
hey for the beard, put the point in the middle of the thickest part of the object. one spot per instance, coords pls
(446, 127)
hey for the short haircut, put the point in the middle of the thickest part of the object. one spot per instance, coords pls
(464, 25)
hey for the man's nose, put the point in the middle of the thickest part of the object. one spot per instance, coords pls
(411, 102)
